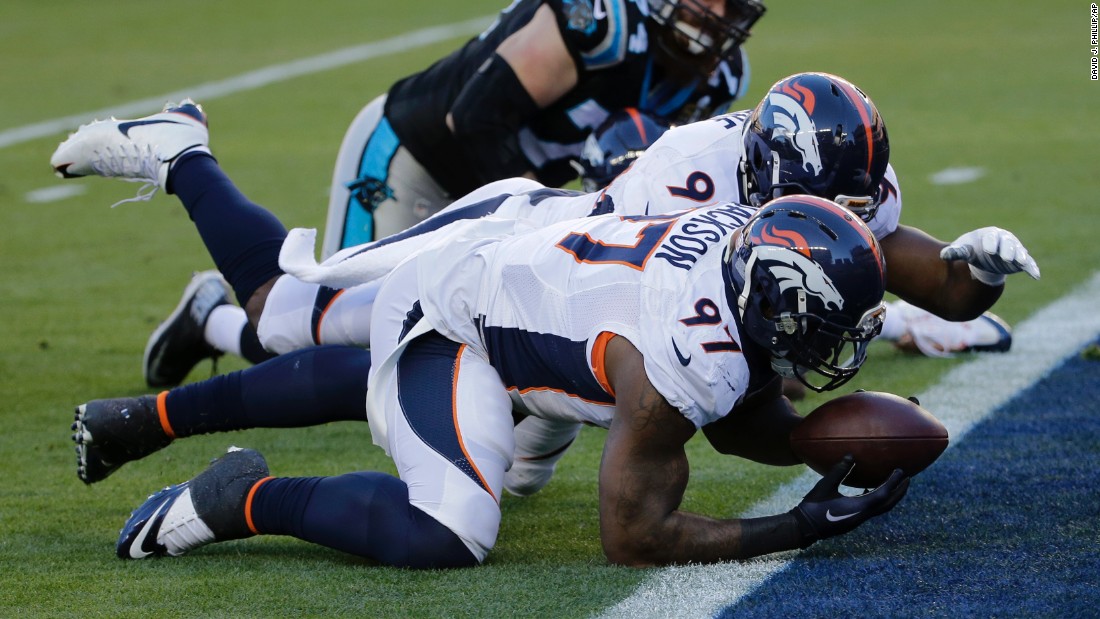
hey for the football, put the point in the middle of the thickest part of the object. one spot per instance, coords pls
(881, 431)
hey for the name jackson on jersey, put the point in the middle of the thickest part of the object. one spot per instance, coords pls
(687, 244)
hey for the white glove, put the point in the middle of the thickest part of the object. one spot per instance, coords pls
(992, 254)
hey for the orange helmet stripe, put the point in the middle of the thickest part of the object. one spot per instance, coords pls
(863, 107)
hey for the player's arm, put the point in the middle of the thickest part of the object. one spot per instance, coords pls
(916, 273)
(956, 281)
(644, 472)
(530, 70)
(760, 428)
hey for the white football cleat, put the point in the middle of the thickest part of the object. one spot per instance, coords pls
(138, 150)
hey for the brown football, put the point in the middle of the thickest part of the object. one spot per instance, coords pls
(882, 431)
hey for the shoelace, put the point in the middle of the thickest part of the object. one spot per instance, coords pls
(185, 531)
(139, 165)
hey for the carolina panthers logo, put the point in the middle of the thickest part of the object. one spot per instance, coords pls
(579, 15)
(791, 115)
(792, 270)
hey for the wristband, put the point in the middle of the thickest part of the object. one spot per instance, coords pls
(761, 536)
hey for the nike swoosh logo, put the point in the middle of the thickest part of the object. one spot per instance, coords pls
(684, 360)
(125, 127)
(144, 549)
(831, 518)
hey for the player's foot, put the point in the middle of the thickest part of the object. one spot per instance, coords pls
(178, 344)
(110, 433)
(208, 508)
(988, 333)
(936, 337)
(138, 150)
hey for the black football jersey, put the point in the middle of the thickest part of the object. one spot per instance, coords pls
(609, 43)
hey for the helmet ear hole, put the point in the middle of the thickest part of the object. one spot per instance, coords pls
(767, 311)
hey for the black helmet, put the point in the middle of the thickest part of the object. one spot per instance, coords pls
(806, 278)
(816, 134)
(689, 34)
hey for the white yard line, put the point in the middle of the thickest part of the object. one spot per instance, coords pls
(957, 176)
(963, 397)
(253, 79)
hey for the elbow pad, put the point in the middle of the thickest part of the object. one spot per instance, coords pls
(487, 116)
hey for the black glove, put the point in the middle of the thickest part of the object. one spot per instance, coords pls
(824, 512)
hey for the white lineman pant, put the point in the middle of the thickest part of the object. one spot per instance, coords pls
(447, 416)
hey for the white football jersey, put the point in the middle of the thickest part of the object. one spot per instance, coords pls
(698, 165)
(538, 304)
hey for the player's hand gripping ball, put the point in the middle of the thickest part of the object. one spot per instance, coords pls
(881, 431)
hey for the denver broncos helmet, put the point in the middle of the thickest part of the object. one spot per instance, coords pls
(690, 34)
(806, 277)
(615, 144)
(817, 134)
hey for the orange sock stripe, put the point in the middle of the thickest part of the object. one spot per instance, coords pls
(162, 414)
(248, 504)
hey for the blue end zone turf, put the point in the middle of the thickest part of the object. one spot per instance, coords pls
(1006, 524)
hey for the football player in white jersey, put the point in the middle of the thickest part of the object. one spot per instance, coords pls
(651, 326)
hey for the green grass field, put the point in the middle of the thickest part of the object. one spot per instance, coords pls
(960, 84)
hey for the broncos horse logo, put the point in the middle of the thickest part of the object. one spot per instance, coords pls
(792, 107)
(793, 270)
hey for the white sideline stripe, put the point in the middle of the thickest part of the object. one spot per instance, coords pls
(253, 79)
(55, 193)
(1040, 343)
(956, 176)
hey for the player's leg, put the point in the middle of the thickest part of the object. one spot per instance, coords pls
(914, 329)
(377, 188)
(449, 430)
(242, 237)
(170, 151)
(304, 388)
(300, 314)
(204, 325)
(540, 444)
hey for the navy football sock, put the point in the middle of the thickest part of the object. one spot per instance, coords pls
(242, 237)
(303, 388)
(366, 514)
(251, 348)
